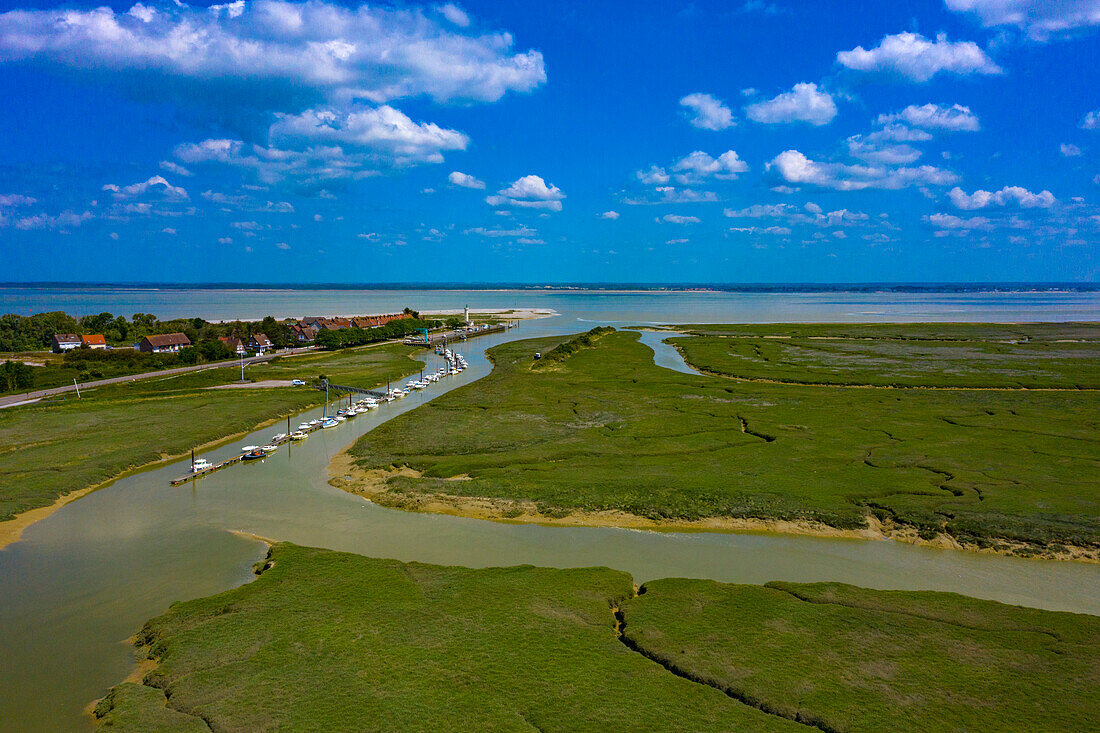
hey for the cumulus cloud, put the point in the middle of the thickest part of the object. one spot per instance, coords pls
(955, 118)
(314, 164)
(761, 211)
(950, 221)
(64, 220)
(174, 168)
(1091, 121)
(529, 192)
(673, 195)
(804, 103)
(1038, 19)
(12, 200)
(455, 15)
(464, 180)
(282, 245)
(762, 230)
(610, 215)
(495, 233)
(678, 219)
(699, 165)
(794, 167)
(874, 151)
(1007, 196)
(270, 52)
(155, 186)
(653, 176)
(383, 129)
(707, 112)
(1069, 150)
(914, 57)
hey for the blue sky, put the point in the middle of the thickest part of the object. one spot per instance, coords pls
(259, 141)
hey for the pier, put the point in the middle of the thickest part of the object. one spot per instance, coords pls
(450, 337)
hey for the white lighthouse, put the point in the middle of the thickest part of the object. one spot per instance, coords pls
(466, 315)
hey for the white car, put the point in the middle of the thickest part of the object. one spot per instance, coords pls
(297, 382)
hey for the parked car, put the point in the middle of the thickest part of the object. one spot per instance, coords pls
(298, 383)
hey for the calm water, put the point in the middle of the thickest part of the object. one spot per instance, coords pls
(84, 580)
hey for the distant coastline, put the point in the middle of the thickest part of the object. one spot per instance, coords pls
(869, 287)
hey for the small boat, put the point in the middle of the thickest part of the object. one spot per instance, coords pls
(201, 464)
(298, 435)
(269, 448)
(340, 418)
(249, 448)
(253, 455)
(304, 426)
(330, 422)
(277, 437)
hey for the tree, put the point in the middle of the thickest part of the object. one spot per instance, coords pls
(15, 375)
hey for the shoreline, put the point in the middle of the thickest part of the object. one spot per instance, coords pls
(370, 485)
(518, 314)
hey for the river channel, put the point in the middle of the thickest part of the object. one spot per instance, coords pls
(82, 581)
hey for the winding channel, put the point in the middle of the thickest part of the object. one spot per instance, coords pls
(82, 581)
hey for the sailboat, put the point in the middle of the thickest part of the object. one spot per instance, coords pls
(327, 422)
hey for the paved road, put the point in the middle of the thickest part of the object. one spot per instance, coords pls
(16, 399)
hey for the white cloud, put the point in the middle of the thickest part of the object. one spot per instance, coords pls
(1038, 19)
(794, 167)
(950, 221)
(169, 230)
(653, 176)
(760, 211)
(174, 168)
(677, 219)
(225, 240)
(873, 151)
(1005, 197)
(698, 165)
(282, 245)
(762, 230)
(455, 15)
(270, 52)
(12, 200)
(609, 215)
(804, 103)
(673, 195)
(680, 240)
(528, 240)
(955, 118)
(1091, 121)
(707, 112)
(464, 180)
(916, 58)
(313, 164)
(383, 129)
(64, 220)
(156, 185)
(529, 192)
(495, 233)
(1069, 150)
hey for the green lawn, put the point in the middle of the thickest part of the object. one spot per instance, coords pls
(330, 641)
(606, 429)
(51, 448)
(968, 355)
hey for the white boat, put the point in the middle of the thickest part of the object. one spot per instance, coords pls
(340, 418)
(297, 435)
(304, 426)
(201, 464)
(330, 422)
(277, 437)
(249, 448)
(269, 448)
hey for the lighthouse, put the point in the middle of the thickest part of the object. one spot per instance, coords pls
(466, 315)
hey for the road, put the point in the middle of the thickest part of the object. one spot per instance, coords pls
(18, 399)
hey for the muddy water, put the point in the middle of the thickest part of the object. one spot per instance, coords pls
(83, 580)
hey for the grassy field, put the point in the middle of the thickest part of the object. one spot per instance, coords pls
(329, 641)
(851, 659)
(922, 355)
(606, 429)
(51, 448)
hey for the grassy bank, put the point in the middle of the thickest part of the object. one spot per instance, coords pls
(52, 448)
(605, 430)
(328, 641)
(1033, 356)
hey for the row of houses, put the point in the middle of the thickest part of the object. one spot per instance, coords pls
(63, 342)
(162, 343)
(306, 329)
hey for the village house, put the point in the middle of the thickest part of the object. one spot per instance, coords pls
(63, 342)
(303, 334)
(93, 341)
(260, 343)
(163, 343)
(235, 344)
